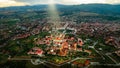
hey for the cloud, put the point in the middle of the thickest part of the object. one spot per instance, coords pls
(7, 3)
(32, 2)
(113, 1)
(69, 2)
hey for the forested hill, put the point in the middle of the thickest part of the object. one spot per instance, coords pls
(95, 8)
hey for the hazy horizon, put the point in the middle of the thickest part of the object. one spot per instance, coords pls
(8, 3)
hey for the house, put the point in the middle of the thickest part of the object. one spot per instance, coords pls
(36, 51)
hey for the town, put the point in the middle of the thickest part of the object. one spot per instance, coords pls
(82, 39)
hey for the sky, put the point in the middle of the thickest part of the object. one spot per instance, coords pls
(7, 3)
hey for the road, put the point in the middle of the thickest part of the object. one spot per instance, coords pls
(112, 59)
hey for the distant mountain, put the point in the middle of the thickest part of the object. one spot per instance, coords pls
(95, 8)
(24, 8)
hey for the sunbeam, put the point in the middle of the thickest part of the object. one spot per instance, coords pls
(53, 13)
